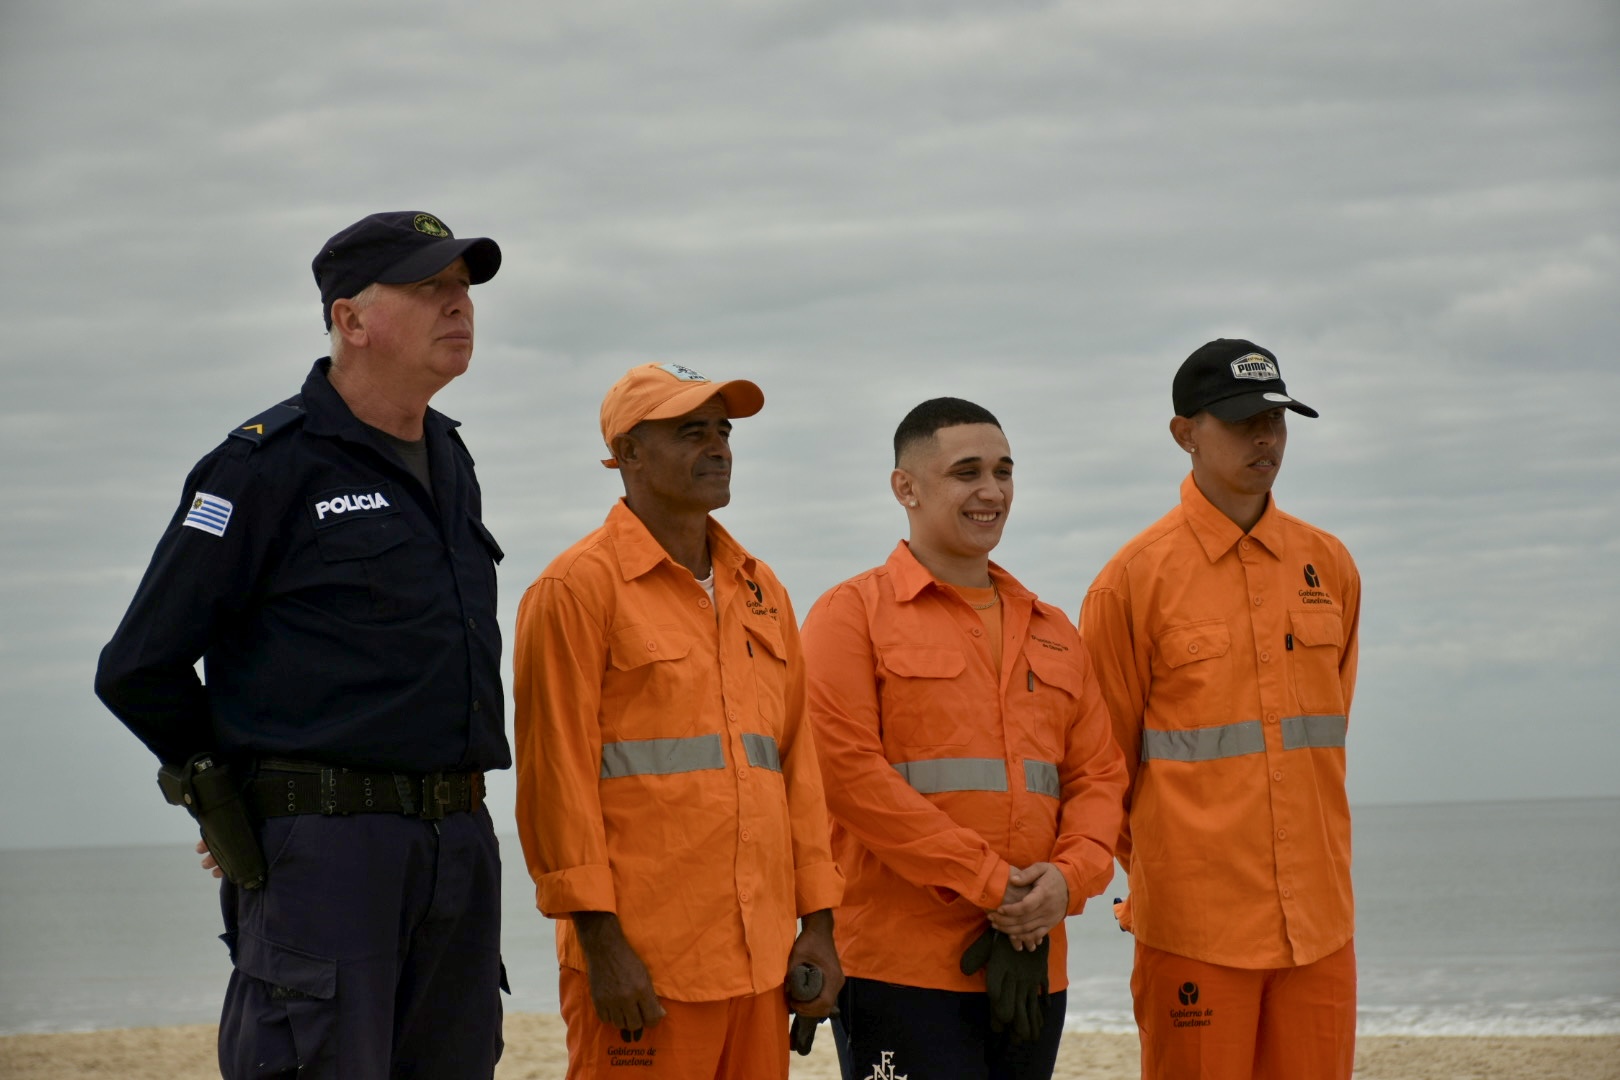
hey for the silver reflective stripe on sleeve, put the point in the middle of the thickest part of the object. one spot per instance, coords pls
(1299, 732)
(935, 775)
(1204, 744)
(1041, 778)
(761, 750)
(660, 757)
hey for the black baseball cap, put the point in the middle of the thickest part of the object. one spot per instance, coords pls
(1232, 379)
(396, 248)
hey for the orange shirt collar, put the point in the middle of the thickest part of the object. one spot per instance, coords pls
(639, 551)
(912, 577)
(1217, 533)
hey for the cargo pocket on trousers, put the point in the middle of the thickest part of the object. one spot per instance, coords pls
(288, 1017)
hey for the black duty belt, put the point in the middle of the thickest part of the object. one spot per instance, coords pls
(280, 788)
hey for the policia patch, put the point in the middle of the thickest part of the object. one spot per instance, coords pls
(345, 504)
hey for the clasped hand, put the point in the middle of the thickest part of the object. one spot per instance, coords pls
(1037, 899)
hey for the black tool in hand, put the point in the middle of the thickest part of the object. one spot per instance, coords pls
(804, 984)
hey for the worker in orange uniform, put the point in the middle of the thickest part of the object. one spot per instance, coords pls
(669, 801)
(1225, 639)
(974, 784)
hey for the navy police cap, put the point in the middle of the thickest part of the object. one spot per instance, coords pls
(395, 248)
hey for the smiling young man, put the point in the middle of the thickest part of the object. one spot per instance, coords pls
(974, 786)
(330, 566)
(1225, 639)
(669, 801)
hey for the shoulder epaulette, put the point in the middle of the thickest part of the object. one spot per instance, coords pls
(275, 418)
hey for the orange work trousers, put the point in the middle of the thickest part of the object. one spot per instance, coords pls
(740, 1038)
(1203, 1021)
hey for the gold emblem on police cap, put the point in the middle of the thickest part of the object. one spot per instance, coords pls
(427, 223)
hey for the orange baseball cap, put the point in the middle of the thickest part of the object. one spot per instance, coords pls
(665, 391)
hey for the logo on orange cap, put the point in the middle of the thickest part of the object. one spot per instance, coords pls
(663, 391)
(681, 371)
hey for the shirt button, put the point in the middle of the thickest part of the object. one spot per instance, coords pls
(472, 624)
(1019, 824)
(1265, 658)
(1277, 775)
(1282, 834)
(478, 706)
(1271, 718)
(1193, 647)
(746, 835)
(742, 773)
(1287, 893)
(1258, 601)
(977, 632)
(703, 603)
(652, 646)
(743, 897)
(1244, 545)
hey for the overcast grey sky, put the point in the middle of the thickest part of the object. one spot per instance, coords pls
(1039, 206)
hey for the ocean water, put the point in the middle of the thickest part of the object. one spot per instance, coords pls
(1473, 919)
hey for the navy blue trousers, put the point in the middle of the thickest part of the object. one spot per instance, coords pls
(372, 952)
(884, 1031)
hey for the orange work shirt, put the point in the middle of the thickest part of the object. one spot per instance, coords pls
(1228, 661)
(665, 770)
(944, 770)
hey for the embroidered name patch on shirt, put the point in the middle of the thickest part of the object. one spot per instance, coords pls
(210, 513)
(332, 507)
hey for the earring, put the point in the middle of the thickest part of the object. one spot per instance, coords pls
(913, 502)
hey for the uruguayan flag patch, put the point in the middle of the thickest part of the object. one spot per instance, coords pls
(210, 513)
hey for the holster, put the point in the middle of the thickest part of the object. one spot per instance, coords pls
(210, 795)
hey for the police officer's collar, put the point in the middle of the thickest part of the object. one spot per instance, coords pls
(1217, 533)
(330, 415)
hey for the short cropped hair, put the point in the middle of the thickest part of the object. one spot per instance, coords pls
(926, 420)
(360, 301)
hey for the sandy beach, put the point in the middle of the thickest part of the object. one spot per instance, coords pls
(534, 1051)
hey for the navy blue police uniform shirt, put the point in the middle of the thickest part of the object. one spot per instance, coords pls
(343, 613)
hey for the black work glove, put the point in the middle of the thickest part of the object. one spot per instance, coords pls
(1015, 981)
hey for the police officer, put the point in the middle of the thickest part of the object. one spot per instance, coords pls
(329, 564)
